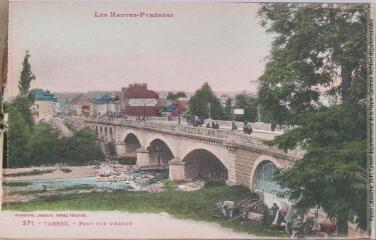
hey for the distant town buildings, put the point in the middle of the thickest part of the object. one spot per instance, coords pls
(134, 100)
(81, 106)
(44, 105)
(106, 105)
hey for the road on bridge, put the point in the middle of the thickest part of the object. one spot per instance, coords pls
(259, 133)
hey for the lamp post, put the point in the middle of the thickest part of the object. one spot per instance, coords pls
(144, 113)
(209, 110)
(179, 121)
(233, 116)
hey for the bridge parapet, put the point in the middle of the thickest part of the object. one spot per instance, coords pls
(226, 136)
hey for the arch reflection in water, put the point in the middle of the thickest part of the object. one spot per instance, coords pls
(264, 178)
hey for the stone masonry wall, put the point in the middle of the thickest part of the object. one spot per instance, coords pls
(244, 163)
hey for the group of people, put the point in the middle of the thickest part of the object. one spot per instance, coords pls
(195, 121)
(143, 118)
(214, 125)
(247, 129)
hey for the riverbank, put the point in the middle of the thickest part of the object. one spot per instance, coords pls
(50, 172)
(197, 205)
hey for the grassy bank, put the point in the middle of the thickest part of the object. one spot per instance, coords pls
(198, 205)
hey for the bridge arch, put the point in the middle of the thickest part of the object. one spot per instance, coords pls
(132, 143)
(159, 152)
(261, 178)
(216, 150)
(171, 144)
(201, 164)
(122, 133)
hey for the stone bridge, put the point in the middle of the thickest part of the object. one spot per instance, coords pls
(196, 152)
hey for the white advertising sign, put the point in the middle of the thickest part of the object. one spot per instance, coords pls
(239, 111)
(140, 102)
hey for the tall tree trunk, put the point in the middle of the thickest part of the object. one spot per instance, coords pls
(342, 225)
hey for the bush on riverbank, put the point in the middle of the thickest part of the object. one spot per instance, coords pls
(197, 205)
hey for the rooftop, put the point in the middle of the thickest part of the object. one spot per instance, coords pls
(105, 99)
(42, 95)
(139, 91)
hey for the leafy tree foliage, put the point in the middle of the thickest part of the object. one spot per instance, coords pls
(22, 105)
(249, 104)
(26, 76)
(19, 140)
(38, 144)
(228, 109)
(44, 143)
(320, 51)
(200, 101)
(80, 149)
(176, 96)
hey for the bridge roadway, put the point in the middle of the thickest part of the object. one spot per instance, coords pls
(194, 152)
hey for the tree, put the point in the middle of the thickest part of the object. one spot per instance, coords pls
(44, 145)
(19, 135)
(38, 143)
(176, 96)
(202, 100)
(26, 76)
(249, 104)
(80, 149)
(318, 48)
(19, 140)
(22, 105)
(228, 109)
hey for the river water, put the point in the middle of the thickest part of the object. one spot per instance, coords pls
(132, 180)
(52, 184)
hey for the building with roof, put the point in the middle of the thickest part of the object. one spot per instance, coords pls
(44, 105)
(138, 100)
(100, 105)
(175, 108)
(81, 105)
(106, 105)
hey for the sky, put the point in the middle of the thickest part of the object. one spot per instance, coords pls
(74, 51)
